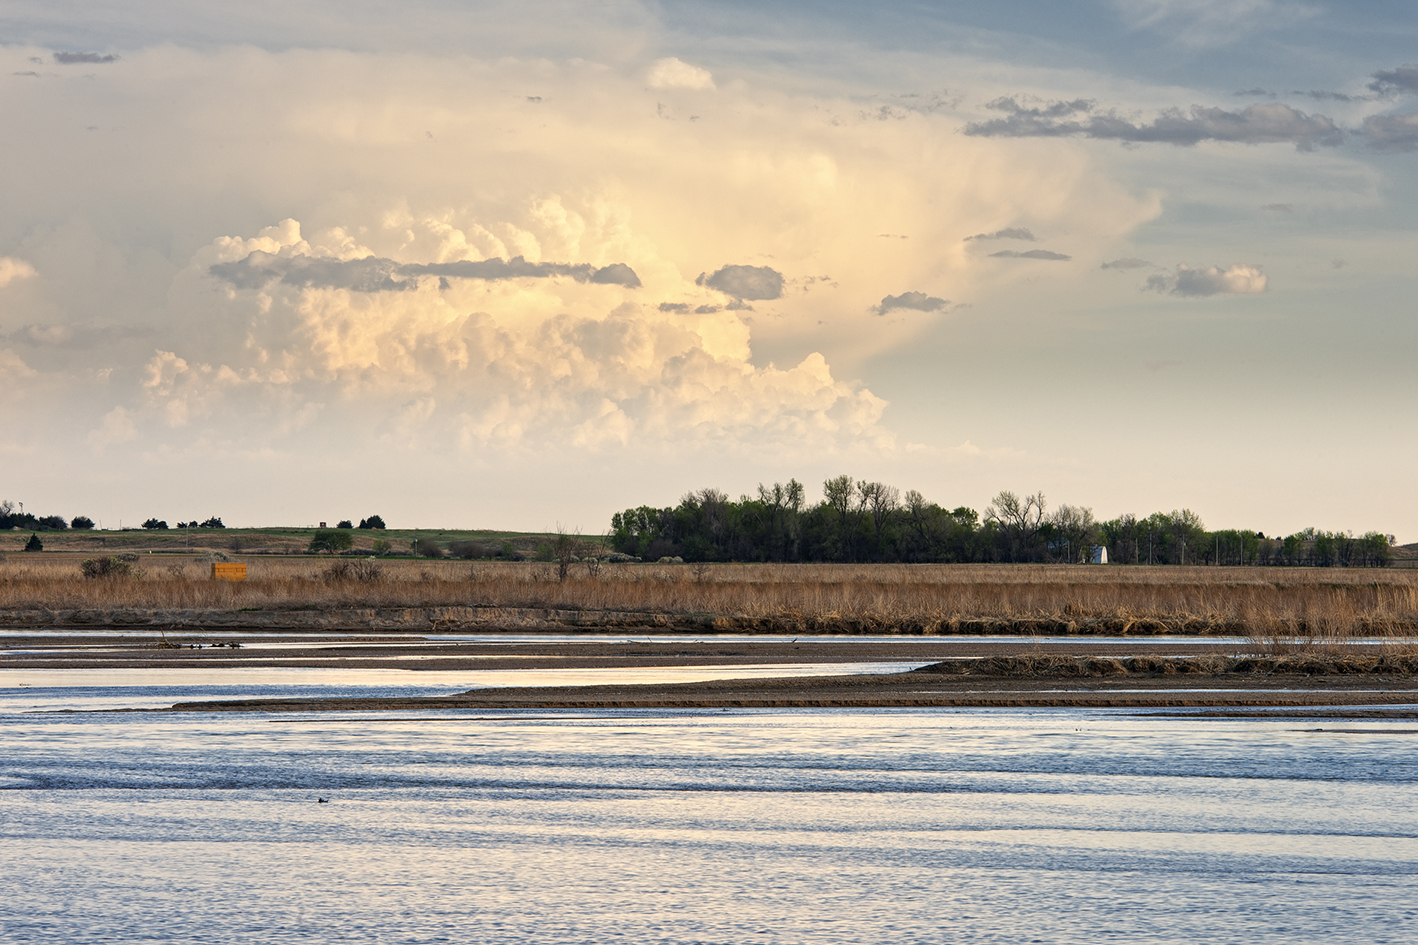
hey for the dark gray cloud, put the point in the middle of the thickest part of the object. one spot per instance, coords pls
(1127, 262)
(759, 283)
(1265, 123)
(83, 58)
(1322, 96)
(1393, 81)
(1030, 254)
(1209, 280)
(680, 308)
(376, 274)
(915, 301)
(1255, 93)
(1391, 132)
(708, 309)
(1008, 233)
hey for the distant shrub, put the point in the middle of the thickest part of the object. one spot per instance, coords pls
(427, 548)
(344, 523)
(110, 567)
(374, 521)
(155, 523)
(34, 544)
(81, 522)
(470, 550)
(362, 571)
(382, 546)
(331, 539)
(213, 522)
(53, 523)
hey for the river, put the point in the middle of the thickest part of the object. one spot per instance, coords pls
(773, 826)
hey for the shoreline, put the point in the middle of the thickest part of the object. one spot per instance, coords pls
(958, 671)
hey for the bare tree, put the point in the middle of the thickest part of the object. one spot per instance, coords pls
(880, 501)
(565, 548)
(1018, 518)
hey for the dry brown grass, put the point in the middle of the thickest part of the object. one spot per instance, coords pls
(1281, 609)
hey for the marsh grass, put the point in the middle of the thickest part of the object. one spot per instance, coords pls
(1281, 611)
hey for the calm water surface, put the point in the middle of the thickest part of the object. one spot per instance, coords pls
(729, 826)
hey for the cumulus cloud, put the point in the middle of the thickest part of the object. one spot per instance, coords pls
(1127, 262)
(12, 270)
(13, 367)
(1265, 123)
(117, 427)
(1391, 132)
(84, 58)
(1211, 280)
(1393, 81)
(538, 364)
(1008, 233)
(915, 301)
(375, 274)
(76, 337)
(756, 283)
(673, 73)
(1030, 254)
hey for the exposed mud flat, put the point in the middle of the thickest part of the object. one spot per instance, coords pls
(1137, 682)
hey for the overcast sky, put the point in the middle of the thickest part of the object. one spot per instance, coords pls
(518, 265)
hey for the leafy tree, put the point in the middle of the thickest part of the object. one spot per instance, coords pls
(374, 521)
(344, 523)
(53, 523)
(426, 548)
(331, 540)
(1074, 532)
(213, 522)
(81, 522)
(154, 523)
(34, 544)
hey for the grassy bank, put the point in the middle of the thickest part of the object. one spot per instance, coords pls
(1314, 608)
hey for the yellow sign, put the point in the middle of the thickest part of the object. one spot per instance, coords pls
(226, 571)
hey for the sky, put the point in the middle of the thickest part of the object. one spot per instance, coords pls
(522, 265)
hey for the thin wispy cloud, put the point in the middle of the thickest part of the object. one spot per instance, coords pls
(1212, 22)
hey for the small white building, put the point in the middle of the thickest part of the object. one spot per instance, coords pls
(1098, 554)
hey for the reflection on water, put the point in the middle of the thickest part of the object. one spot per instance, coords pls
(726, 826)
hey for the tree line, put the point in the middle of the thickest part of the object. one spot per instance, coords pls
(860, 521)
